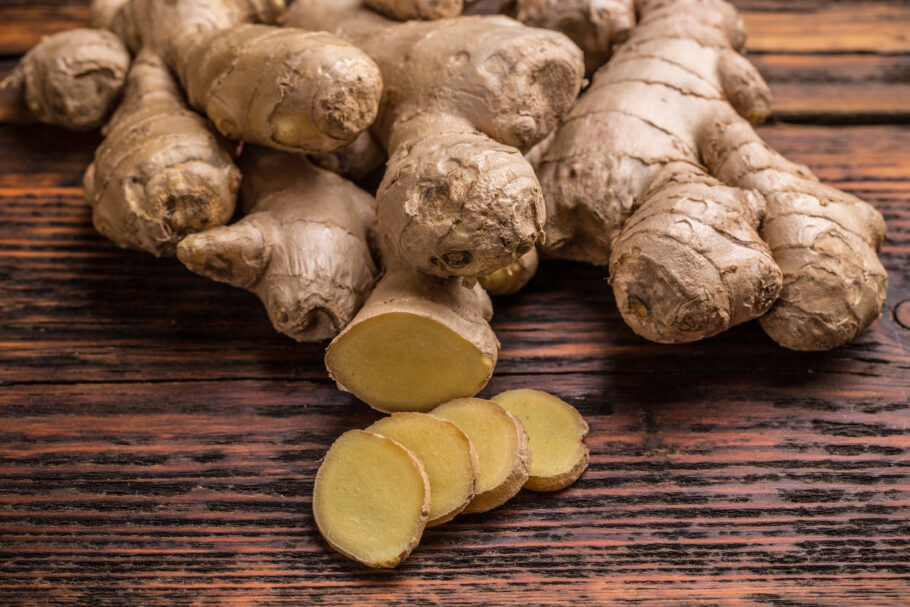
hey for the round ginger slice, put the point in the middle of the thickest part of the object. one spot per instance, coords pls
(447, 456)
(501, 443)
(556, 432)
(371, 499)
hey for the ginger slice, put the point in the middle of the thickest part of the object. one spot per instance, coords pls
(447, 456)
(418, 341)
(501, 443)
(555, 433)
(371, 499)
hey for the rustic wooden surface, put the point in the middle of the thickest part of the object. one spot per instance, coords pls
(158, 441)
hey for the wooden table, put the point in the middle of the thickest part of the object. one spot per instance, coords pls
(158, 440)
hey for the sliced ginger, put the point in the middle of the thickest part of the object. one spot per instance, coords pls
(447, 456)
(371, 499)
(501, 443)
(417, 342)
(555, 433)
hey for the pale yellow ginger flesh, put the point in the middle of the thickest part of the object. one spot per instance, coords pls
(371, 499)
(556, 432)
(447, 456)
(501, 443)
(512, 278)
(405, 362)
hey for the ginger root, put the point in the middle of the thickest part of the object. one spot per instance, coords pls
(418, 341)
(371, 499)
(512, 278)
(674, 145)
(501, 443)
(303, 245)
(463, 95)
(556, 432)
(446, 453)
(71, 79)
(162, 172)
(596, 26)
(404, 10)
(283, 88)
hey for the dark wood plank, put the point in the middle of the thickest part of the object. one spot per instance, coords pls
(169, 492)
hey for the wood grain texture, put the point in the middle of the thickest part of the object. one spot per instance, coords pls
(158, 440)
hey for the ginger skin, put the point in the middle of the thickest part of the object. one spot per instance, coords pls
(162, 172)
(596, 26)
(303, 245)
(405, 10)
(283, 88)
(463, 97)
(676, 95)
(512, 278)
(71, 79)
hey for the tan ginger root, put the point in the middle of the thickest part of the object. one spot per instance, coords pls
(418, 341)
(667, 102)
(501, 443)
(404, 10)
(556, 432)
(303, 245)
(355, 161)
(596, 26)
(447, 456)
(689, 263)
(162, 172)
(371, 499)
(463, 96)
(283, 88)
(71, 79)
(512, 278)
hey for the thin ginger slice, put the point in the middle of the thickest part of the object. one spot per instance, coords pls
(447, 456)
(371, 499)
(556, 431)
(501, 443)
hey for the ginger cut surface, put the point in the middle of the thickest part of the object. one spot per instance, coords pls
(371, 499)
(501, 443)
(418, 341)
(447, 456)
(556, 432)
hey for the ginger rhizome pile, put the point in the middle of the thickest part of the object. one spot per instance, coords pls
(71, 79)
(473, 454)
(463, 97)
(658, 173)
(303, 245)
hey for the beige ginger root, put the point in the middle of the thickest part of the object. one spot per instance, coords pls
(404, 10)
(556, 432)
(596, 26)
(283, 88)
(371, 499)
(463, 96)
(303, 245)
(512, 278)
(670, 99)
(501, 443)
(71, 79)
(447, 456)
(162, 172)
(418, 341)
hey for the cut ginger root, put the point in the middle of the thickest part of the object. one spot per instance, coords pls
(418, 341)
(447, 456)
(556, 432)
(371, 499)
(501, 443)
